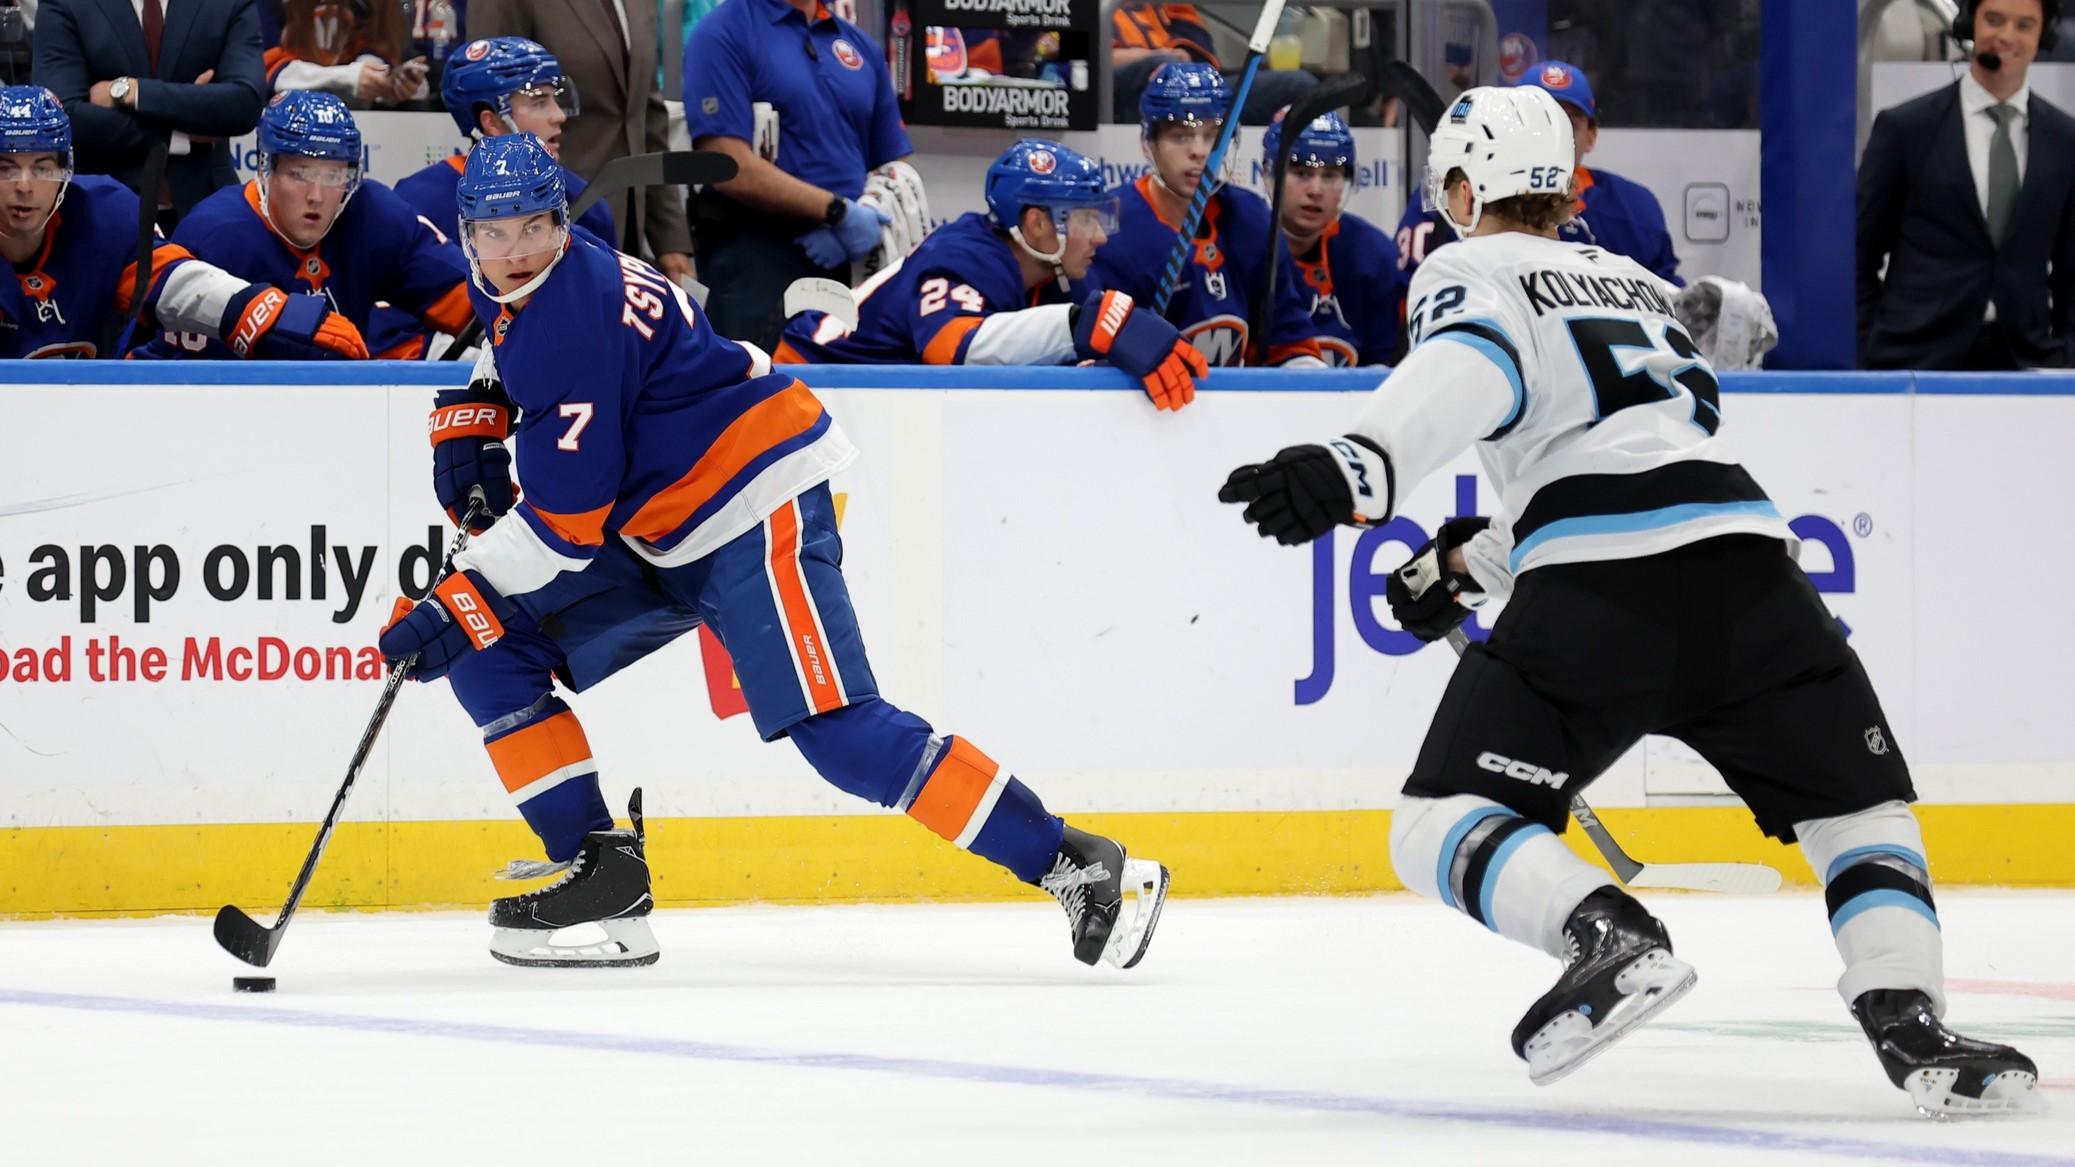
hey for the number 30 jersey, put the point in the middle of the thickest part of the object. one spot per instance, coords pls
(1594, 413)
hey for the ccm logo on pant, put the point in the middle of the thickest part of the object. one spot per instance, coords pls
(1525, 771)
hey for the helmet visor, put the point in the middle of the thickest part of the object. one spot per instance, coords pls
(1085, 222)
(551, 91)
(514, 237)
(16, 168)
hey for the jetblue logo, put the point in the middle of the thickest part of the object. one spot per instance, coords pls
(1379, 551)
(1527, 772)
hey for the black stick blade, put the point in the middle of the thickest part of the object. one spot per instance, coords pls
(246, 938)
(1422, 103)
(696, 168)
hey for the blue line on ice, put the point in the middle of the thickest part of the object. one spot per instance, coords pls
(1564, 1122)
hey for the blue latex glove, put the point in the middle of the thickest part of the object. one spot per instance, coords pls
(464, 613)
(853, 238)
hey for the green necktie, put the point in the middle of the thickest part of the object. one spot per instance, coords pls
(2002, 172)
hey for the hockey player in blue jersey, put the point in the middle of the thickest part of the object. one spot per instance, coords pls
(672, 479)
(491, 87)
(311, 223)
(70, 245)
(1349, 268)
(995, 289)
(1179, 115)
(1611, 211)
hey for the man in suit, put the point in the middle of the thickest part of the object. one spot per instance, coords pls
(608, 53)
(1968, 195)
(137, 72)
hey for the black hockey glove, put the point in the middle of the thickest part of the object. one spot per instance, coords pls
(1424, 594)
(1305, 491)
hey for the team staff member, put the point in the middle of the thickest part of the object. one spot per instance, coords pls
(1610, 211)
(995, 289)
(311, 223)
(774, 223)
(1179, 116)
(1349, 267)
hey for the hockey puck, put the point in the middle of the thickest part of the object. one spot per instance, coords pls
(253, 984)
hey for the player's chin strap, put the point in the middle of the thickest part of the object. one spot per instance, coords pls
(266, 205)
(475, 274)
(1057, 258)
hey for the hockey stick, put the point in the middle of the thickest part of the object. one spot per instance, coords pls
(1185, 235)
(1733, 878)
(1349, 90)
(663, 168)
(1400, 80)
(240, 934)
(149, 181)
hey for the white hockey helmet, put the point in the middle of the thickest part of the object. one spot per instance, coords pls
(1507, 141)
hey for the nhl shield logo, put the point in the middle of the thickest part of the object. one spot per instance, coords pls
(312, 266)
(848, 54)
(1876, 742)
(32, 283)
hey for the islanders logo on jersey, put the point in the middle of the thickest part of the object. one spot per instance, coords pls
(848, 54)
(1221, 339)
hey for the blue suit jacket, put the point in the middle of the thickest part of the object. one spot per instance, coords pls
(1919, 212)
(80, 42)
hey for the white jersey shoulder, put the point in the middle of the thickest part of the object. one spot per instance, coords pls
(1613, 446)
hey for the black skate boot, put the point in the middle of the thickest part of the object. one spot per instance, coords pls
(1945, 1074)
(1090, 877)
(1620, 973)
(606, 885)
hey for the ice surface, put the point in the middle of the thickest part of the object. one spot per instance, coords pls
(1301, 1031)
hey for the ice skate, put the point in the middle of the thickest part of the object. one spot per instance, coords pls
(1620, 973)
(605, 886)
(1945, 1074)
(1090, 877)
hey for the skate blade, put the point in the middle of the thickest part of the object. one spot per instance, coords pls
(1145, 889)
(1650, 984)
(2010, 1092)
(628, 943)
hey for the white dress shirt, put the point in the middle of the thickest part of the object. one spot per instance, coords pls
(176, 142)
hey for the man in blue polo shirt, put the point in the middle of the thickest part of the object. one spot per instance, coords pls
(798, 216)
(1613, 212)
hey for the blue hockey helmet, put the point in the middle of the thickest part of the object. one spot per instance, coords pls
(33, 121)
(510, 177)
(489, 72)
(1182, 92)
(308, 124)
(1039, 173)
(1326, 142)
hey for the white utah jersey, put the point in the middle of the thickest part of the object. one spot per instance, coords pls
(1593, 411)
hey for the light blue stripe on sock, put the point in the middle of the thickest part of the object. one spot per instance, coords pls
(1455, 839)
(1491, 873)
(1882, 898)
(1857, 854)
(1630, 524)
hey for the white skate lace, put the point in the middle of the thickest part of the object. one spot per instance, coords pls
(523, 869)
(1069, 885)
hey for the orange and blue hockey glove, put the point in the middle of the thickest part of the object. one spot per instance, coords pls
(463, 614)
(264, 322)
(1112, 327)
(468, 428)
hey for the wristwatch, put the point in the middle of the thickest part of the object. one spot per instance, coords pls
(834, 212)
(119, 89)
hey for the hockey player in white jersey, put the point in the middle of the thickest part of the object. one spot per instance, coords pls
(1652, 590)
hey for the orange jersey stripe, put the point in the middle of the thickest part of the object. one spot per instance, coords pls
(584, 530)
(1308, 347)
(403, 350)
(163, 256)
(954, 790)
(786, 354)
(539, 750)
(943, 347)
(816, 667)
(451, 312)
(781, 416)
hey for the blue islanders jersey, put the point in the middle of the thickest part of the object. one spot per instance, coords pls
(1614, 213)
(926, 308)
(637, 420)
(400, 335)
(1220, 279)
(377, 249)
(1351, 278)
(73, 298)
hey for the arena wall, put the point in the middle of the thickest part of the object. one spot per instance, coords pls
(195, 558)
